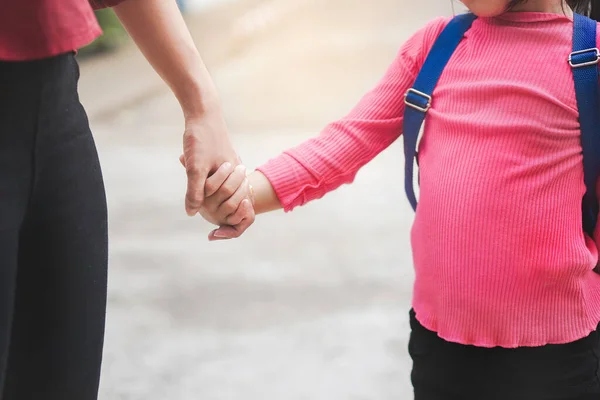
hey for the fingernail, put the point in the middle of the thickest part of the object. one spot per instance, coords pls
(227, 166)
(220, 235)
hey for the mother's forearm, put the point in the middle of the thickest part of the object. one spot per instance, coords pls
(159, 30)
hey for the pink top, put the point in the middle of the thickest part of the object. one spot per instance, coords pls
(36, 29)
(499, 252)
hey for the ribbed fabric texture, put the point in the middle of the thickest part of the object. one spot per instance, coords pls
(499, 252)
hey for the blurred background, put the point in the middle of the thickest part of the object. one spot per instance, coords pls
(307, 305)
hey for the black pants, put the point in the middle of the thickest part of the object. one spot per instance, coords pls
(53, 236)
(450, 371)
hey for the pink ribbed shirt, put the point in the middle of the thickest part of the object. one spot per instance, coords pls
(499, 252)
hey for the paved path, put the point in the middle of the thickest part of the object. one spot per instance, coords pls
(309, 305)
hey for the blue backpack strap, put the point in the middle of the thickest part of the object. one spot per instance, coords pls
(418, 98)
(584, 62)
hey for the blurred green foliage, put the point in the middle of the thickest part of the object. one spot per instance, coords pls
(113, 35)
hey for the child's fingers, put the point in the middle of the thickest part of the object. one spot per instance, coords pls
(182, 160)
(216, 180)
(246, 222)
(232, 204)
(231, 232)
(249, 216)
(242, 212)
(231, 185)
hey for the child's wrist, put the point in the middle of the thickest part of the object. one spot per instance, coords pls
(251, 194)
(263, 195)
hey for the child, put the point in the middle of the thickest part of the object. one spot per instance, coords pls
(506, 301)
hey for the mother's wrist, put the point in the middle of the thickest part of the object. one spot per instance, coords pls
(196, 103)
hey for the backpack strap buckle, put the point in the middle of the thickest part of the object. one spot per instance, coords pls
(584, 58)
(418, 100)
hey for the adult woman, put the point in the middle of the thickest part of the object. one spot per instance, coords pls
(53, 224)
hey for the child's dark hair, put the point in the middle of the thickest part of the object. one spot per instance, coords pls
(591, 8)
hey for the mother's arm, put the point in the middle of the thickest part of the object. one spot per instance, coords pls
(159, 30)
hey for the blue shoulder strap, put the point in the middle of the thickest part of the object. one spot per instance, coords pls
(584, 62)
(418, 98)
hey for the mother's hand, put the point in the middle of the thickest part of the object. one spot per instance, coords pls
(159, 30)
(228, 201)
(206, 146)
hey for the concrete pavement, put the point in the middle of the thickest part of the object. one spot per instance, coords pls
(308, 305)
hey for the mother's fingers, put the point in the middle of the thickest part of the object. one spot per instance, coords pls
(234, 231)
(225, 232)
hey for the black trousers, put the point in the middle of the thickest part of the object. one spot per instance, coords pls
(53, 236)
(450, 371)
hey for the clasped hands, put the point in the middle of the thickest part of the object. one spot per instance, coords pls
(228, 202)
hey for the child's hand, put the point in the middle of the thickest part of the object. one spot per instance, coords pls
(230, 195)
(224, 192)
(227, 202)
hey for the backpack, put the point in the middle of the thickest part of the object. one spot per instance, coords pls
(584, 63)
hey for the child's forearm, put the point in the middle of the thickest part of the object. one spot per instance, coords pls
(265, 198)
